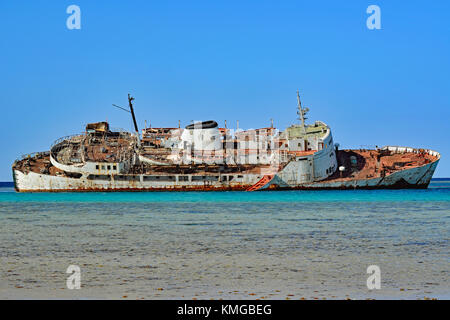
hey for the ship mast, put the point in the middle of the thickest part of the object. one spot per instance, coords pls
(130, 104)
(301, 112)
(130, 99)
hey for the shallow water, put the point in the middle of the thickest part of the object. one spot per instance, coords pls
(287, 244)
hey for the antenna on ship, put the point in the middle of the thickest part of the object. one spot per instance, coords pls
(130, 104)
(301, 112)
(130, 100)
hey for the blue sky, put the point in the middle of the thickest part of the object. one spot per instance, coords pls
(233, 60)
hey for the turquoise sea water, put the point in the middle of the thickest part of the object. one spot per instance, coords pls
(438, 191)
(306, 243)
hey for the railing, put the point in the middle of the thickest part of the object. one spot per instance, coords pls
(120, 130)
(32, 155)
(397, 149)
(77, 157)
(368, 146)
(70, 137)
(63, 142)
(45, 153)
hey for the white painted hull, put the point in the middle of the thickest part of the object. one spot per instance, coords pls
(35, 182)
(416, 177)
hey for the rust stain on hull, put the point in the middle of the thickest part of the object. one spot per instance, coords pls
(202, 189)
(418, 176)
(180, 189)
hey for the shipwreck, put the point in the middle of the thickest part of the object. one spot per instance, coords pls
(205, 157)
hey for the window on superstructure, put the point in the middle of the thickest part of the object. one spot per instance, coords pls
(127, 178)
(99, 177)
(109, 167)
(114, 167)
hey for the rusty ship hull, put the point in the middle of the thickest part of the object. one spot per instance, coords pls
(205, 157)
(416, 176)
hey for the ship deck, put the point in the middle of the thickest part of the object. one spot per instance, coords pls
(359, 165)
(375, 163)
(41, 164)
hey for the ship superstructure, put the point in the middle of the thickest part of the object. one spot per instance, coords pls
(205, 157)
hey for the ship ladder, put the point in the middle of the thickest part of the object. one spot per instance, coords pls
(261, 183)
